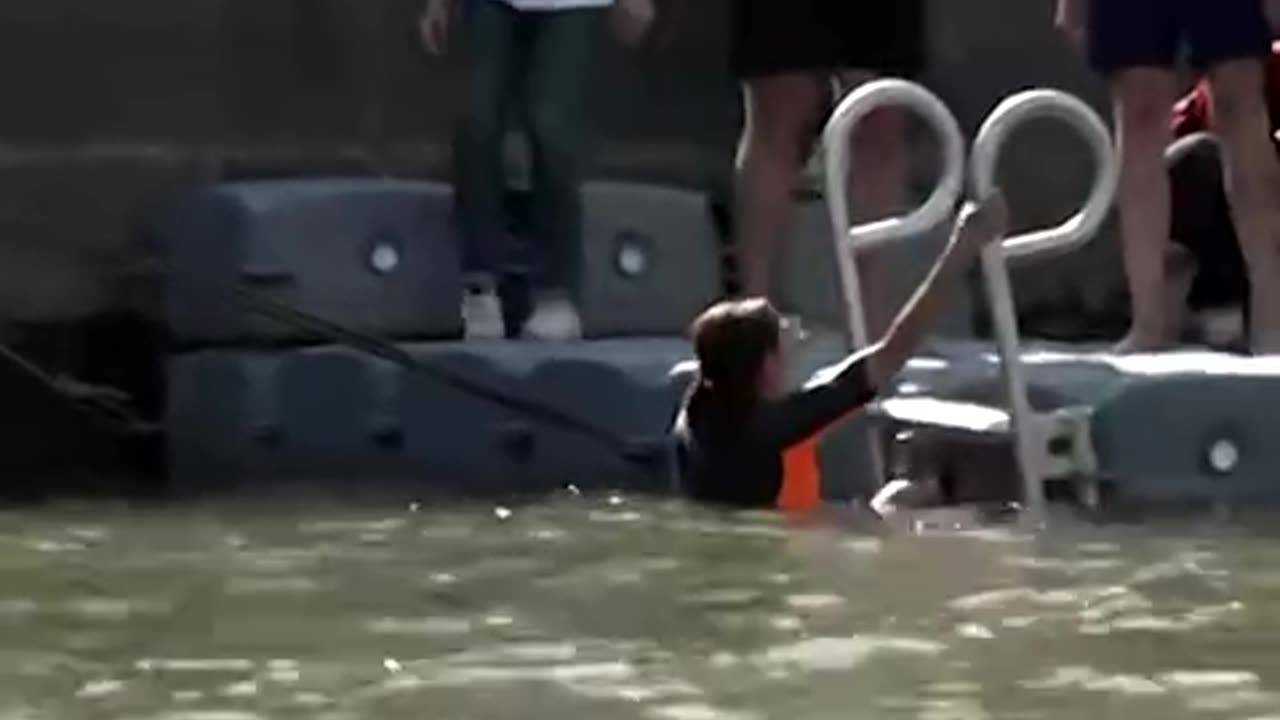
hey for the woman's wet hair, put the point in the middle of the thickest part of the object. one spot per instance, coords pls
(732, 340)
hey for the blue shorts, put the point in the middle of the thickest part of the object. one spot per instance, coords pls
(1151, 33)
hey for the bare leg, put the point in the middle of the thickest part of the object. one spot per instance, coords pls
(1252, 178)
(1142, 99)
(782, 115)
(877, 189)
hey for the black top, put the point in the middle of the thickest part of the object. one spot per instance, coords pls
(738, 461)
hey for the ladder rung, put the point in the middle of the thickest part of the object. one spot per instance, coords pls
(949, 415)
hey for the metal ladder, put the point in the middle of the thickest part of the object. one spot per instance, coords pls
(1035, 435)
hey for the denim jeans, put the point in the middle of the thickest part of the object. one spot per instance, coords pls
(533, 69)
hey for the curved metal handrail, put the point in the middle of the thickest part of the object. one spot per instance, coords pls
(937, 208)
(1008, 116)
(1076, 231)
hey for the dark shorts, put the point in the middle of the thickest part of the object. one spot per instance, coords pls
(886, 37)
(1151, 33)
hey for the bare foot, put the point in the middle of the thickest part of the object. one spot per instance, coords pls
(1268, 344)
(1139, 343)
(1264, 335)
(1264, 323)
(1180, 273)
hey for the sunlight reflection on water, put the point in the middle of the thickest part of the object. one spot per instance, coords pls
(591, 607)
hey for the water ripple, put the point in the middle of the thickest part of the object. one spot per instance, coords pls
(1091, 680)
(100, 689)
(697, 711)
(210, 715)
(271, 585)
(623, 608)
(562, 672)
(430, 626)
(836, 653)
(196, 665)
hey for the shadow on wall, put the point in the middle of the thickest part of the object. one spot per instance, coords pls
(136, 101)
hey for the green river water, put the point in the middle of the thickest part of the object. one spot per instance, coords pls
(610, 607)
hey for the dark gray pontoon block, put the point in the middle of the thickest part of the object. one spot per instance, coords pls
(237, 417)
(331, 413)
(650, 259)
(336, 415)
(476, 444)
(624, 386)
(218, 418)
(1158, 423)
(374, 255)
(457, 441)
(1201, 434)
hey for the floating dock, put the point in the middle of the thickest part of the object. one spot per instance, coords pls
(388, 390)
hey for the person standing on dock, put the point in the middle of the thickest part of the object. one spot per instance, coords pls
(1207, 270)
(792, 57)
(539, 54)
(1135, 43)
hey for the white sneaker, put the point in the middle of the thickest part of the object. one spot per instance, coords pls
(554, 319)
(482, 315)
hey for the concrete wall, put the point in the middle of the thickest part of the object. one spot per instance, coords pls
(112, 108)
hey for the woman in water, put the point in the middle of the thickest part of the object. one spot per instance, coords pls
(741, 439)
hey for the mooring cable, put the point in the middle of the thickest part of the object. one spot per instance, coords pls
(379, 347)
(104, 406)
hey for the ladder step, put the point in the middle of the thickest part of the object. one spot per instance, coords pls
(946, 415)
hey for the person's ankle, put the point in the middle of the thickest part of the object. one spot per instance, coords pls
(1145, 340)
(1265, 343)
(1264, 322)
